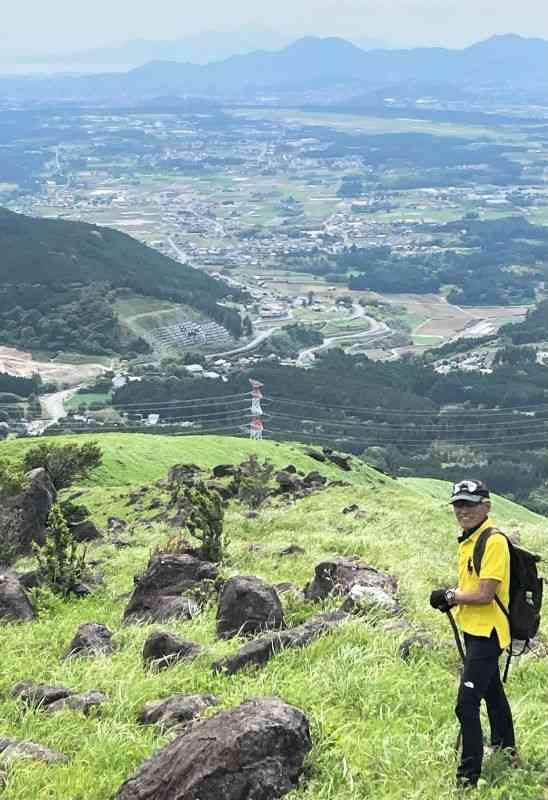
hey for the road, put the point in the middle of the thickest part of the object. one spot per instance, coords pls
(53, 409)
(255, 342)
(377, 330)
(183, 258)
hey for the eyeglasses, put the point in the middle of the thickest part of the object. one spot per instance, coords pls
(470, 487)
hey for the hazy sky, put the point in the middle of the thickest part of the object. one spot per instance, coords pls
(47, 25)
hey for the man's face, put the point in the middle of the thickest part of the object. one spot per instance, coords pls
(469, 515)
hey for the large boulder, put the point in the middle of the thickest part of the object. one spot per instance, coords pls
(162, 649)
(259, 651)
(247, 605)
(91, 639)
(23, 519)
(338, 576)
(15, 606)
(39, 695)
(256, 750)
(84, 702)
(15, 750)
(160, 593)
(86, 531)
(175, 711)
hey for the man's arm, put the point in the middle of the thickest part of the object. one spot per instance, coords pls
(483, 596)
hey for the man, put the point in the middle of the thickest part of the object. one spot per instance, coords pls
(485, 627)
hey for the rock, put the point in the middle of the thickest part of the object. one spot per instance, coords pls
(120, 544)
(183, 473)
(31, 579)
(247, 605)
(316, 455)
(337, 577)
(24, 517)
(91, 639)
(259, 651)
(85, 702)
(396, 625)
(162, 649)
(225, 471)
(291, 468)
(159, 593)
(415, 643)
(292, 550)
(156, 502)
(14, 603)
(176, 710)
(116, 524)
(253, 752)
(363, 599)
(286, 586)
(351, 509)
(86, 531)
(314, 479)
(82, 589)
(343, 462)
(17, 750)
(39, 695)
(289, 483)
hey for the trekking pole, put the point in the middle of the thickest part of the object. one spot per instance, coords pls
(461, 653)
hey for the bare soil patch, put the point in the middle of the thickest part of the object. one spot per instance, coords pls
(23, 365)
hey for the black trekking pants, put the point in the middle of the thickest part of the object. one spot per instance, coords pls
(481, 681)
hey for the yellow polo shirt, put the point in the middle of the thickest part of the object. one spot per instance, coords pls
(495, 564)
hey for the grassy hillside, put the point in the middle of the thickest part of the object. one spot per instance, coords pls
(382, 728)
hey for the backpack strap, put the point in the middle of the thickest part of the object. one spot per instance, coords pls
(479, 547)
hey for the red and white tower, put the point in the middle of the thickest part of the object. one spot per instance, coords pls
(256, 425)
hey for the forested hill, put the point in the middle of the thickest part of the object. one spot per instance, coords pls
(55, 269)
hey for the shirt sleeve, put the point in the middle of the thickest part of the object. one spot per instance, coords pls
(495, 561)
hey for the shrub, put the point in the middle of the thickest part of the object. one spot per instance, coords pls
(65, 463)
(254, 481)
(11, 480)
(60, 561)
(204, 511)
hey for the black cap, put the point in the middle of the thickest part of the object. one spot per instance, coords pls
(470, 490)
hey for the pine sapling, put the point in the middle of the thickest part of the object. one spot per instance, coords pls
(60, 561)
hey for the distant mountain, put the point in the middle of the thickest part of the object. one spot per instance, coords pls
(200, 48)
(509, 59)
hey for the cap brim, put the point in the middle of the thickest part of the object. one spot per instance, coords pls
(470, 498)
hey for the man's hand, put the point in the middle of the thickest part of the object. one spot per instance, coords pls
(438, 601)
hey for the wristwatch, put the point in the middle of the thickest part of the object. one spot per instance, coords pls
(450, 596)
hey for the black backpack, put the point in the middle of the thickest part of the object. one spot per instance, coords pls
(525, 591)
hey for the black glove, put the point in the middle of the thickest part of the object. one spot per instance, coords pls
(438, 601)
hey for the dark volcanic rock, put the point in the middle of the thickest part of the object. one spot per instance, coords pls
(362, 599)
(158, 595)
(24, 517)
(247, 605)
(162, 649)
(183, 473)
(343, 462)
(226, 492)
(253, 752)
(316, 455)
(86, 531)
(14, 603)
(337, 577)
(314, 479)
(116, 524)
(84, 702)
(39, 695)
(225, 471)
(176, 710)
(16, 750)
(289, 483)
(259, 651)
(91, 639)
(292, 550)
(31, 579)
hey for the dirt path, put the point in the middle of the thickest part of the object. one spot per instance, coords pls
(23, 365)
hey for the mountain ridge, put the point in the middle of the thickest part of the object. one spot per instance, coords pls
(511, 59)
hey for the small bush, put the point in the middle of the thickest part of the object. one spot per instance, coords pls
(11, 480)
(65, 463)
(254, 482)
(204, 511)
(61, 562)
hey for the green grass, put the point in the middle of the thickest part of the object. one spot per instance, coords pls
(79, 400)
(382, 729)
(427, 341)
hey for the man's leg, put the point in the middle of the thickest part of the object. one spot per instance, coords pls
(500, 715)
(480, 665)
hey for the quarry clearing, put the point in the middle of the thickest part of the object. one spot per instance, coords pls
(24, 365)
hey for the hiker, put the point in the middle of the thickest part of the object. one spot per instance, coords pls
(485, 627)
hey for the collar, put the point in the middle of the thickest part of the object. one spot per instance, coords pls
(465, 535)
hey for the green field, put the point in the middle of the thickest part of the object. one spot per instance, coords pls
(427, 341)
(79, 400)
(143, 314)
(382, 728)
